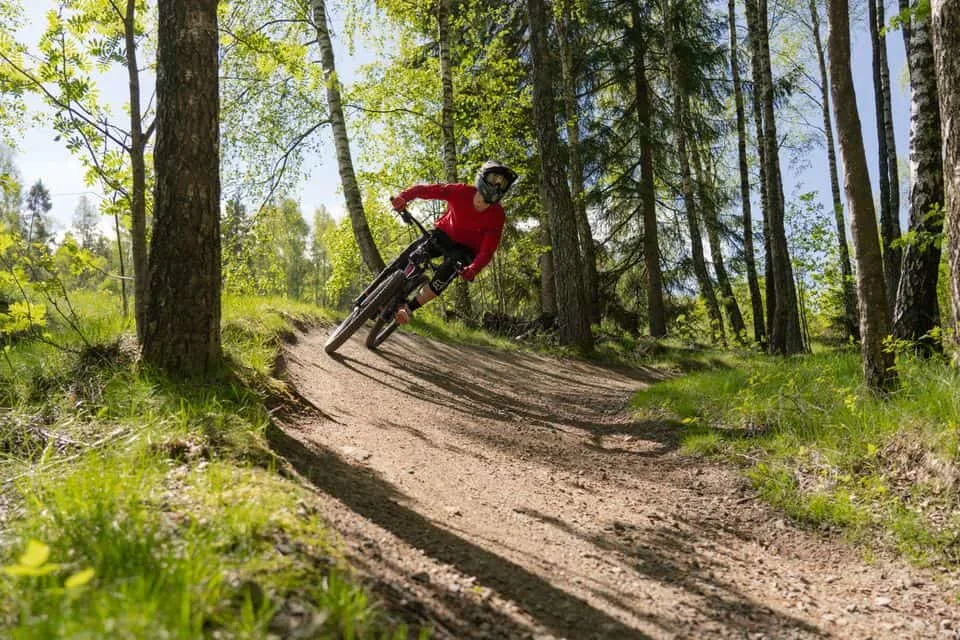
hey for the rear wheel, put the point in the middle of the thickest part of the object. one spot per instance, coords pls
(381, 296)
(381, 331)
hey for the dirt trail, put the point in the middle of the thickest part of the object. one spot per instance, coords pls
(500, 495)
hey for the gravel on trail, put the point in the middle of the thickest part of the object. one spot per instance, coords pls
(495, 495)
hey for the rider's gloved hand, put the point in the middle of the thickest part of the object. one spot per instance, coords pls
(398, 203)
(468, 273)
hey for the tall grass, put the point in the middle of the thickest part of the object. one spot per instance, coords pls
(815, 442)
(135, 507)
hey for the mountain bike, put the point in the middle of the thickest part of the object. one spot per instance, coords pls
(392, 287)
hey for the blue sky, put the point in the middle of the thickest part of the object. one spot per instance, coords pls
(40, 157)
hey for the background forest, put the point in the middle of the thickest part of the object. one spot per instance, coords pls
(657, 142)
(672, 122)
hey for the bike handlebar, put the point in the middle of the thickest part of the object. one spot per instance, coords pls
(408, 218)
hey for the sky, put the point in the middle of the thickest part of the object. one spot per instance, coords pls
(39, 156)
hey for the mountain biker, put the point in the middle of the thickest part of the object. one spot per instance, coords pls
(468, 233)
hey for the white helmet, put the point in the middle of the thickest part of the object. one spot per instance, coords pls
(493, 180)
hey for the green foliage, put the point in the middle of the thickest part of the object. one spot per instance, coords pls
(266, 255)
(818, 444)
(165, 516)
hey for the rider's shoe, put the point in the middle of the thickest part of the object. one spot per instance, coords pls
(403, 314)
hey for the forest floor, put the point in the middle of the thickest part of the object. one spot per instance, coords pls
(508, 495)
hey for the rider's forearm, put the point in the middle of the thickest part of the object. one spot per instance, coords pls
(425, 191)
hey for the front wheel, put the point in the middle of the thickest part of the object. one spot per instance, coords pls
(381, 296)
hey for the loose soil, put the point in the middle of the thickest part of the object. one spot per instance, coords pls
(508, 495)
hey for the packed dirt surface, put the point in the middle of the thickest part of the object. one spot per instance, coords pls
(506, 495)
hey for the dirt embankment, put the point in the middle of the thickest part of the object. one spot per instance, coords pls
(503, 495)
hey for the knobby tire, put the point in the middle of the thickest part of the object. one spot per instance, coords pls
(381, 331)
(364, 311)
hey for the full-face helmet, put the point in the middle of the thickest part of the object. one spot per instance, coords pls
(493, 180)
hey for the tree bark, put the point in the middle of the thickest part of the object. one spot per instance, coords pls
(946, 35)
(917, 310)
(770, 295)
(182, 333)
(878, 363)
(460, 290)
(651, 244)
(785, 335)
(548, 282)
(680, 111)
(574, 321)
(753, 284)
(138, 166)
(590, 278)
(351, 191)
(889, 217)
(850, 321)
(712, 222)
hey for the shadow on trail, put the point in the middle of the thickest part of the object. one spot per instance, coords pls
(668, 555)
(466, 380)
(366, 494)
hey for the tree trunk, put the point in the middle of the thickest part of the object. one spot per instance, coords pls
(946, 35)
(461, 292)
(590, 278)
(680, 110)
(138, 195)
(182, 333)
(891, 142)
(850, 322)
(905, 27)
(877, 362)
(712, 222)
(548, 282)
(917, 310)
(889, 222)
(651, 243)
(123, 273)
(351, 191)
(574, 321)
(770, 295)
(785, 335)
(756, 300)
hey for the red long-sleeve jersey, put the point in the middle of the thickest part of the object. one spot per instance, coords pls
(479, 230)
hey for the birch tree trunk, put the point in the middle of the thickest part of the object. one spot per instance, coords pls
(917, 310)
(756, 300)
(461, 292)
(351, 191)
(591, 281)
(889, 216)
(850, 321)
(572, 316)
(182, 333)
(946, 36)
(878, 363)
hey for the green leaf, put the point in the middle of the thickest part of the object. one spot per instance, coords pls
(79, 579)
(21, 571)
(36, 554)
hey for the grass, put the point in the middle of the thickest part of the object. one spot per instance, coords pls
(816, 443)
(135, 507)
